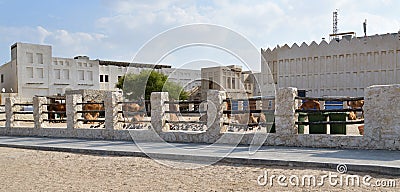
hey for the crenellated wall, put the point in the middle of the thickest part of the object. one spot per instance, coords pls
(343, 68)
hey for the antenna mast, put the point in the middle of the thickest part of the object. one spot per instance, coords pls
(365, 27)
(335, 22)
(335, 35)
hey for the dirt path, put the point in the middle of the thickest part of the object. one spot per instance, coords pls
(30, 170)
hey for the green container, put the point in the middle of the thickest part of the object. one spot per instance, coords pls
(302, 118)
(338, 128)
(270, 118)
(317, 117)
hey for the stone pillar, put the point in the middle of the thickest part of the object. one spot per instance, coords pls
(72, 107)
(322, 104)
(111, 108)
(158, 108)
(10, 108)
(38, 108)
(215, 109)
(285, 106)
(259, 105)
(381, 115)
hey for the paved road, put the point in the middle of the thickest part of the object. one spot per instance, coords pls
(377, 161)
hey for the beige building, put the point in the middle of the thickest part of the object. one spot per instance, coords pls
(342, 67)
(236, 83)
(34, 71)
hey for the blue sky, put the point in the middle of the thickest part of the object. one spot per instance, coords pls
(116, 30)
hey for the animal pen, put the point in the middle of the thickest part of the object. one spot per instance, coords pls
(284, 121)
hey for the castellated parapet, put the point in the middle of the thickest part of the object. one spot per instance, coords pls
(338, 68)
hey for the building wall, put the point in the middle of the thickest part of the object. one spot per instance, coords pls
(113, 72)
(257, 84)
(8, 77)
(73, 74)
(32, 69)
(343, 68)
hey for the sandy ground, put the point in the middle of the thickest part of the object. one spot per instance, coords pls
(30, 170)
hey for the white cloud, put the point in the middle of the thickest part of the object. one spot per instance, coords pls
(43, 34)
(75, 43)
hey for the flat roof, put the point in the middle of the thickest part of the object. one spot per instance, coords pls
(138, 65)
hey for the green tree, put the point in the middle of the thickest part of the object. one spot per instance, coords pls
(134, 86)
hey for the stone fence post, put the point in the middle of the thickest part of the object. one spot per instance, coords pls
(215, 109)
(285, 106)
(158, 108)
(111, 109)
(10, 108)
(38, 108)
(72, 108)
(381, 115)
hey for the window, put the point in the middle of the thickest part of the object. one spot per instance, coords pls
(233, 83)
(81, 75)
(89, 75)
(90, 65)
(40, 73)
(105, 78)
(101, 78)
(61, 63)
(29, 72)
(39, 57)
(85, 64)
(229, 83)
(66, 73)
(29, 57)
(119, 77)
(66, 63)
(57, 73)
(2, 78)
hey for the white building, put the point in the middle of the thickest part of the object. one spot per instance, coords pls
(343, 67)
(34, 71)
(111, 71)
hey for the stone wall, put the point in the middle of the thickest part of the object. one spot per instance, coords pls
(381, 111)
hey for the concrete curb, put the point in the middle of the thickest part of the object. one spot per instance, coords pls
(383, 170)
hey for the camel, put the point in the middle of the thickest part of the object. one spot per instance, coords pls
(310, 104)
